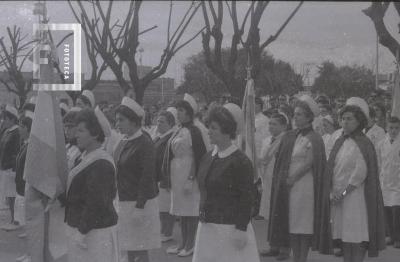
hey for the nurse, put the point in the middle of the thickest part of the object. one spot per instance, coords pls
(357, 211)
(139, 223)
(225, 177)
(184, 151)
(91, 189)
(299, 214)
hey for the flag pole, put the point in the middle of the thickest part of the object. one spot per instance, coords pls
(45, 74)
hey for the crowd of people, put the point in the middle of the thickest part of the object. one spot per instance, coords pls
(326, 177)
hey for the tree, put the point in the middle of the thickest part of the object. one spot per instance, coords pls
(117, 43)
(344, 81)
(13, 59)
(213, 56)
(376, 12)
(275, 77)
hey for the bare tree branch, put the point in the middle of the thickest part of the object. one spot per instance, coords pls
(274, 37)
(376, 13)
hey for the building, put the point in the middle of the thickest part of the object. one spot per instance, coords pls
(160, 91)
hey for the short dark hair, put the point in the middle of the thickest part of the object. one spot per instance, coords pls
(70, 117)
(128, 113)
(168, 116)
(224, 119)
(26, 122)
(85, 100)
(393, 119)
(322, 99)
(358, 114)
(186, 106)
(88, 117)
(381, 107)
(307, 110)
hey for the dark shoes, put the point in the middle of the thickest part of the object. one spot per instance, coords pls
(396, 244)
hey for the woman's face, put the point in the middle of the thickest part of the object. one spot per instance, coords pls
(327, 126)
(79, 103)
(83, 137)
(300, 118)
(123, 124)
(183, 116)
(215, 134)
(70, 131)
(349, 122)
(275, 128)
(162, 125)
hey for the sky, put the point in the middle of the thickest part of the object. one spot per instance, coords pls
(335, 31)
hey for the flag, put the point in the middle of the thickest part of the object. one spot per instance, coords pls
(396, 95)
(46, 160)
(248, 140)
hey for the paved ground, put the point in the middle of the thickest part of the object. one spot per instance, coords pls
(11, 247)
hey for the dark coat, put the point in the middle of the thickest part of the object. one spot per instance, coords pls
(160, 145)
(226, 195)
(9, 148)
(89, 203)
(278, 228)
(19, 170)
(136, 175)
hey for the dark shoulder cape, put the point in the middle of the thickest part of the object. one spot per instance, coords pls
(372, 190)
(278, 228)
(198, 145)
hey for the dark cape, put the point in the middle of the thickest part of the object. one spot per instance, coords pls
(198, 147)
(278, 226)
(160, 145)
(372, 189)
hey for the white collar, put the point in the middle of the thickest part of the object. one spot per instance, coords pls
(12, 128)
(225, 153)
(135, 135)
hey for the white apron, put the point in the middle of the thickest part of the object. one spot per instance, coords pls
(102, 246)
(182, 166)
(19, 209)
(349, 218)
(389, 161)
(8, 187)
(301, 196)
(213, 244)
(139, 234)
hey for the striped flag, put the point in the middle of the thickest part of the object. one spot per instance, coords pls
(248, 140)
(46, 160)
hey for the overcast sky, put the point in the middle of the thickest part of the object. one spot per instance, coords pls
(320, 31)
